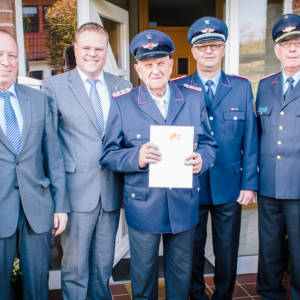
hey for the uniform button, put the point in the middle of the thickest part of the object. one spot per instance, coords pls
(280, 127)
(278, 157)
(170, 189)
(282, 113)
(138, 135)
(198, 189)
(235, 118)
(279, 142)
(211, 118)
(241, 169)
(133, 195)
(212, 133)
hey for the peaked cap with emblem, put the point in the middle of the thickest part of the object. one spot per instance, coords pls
(287, 27)
(150, 44)
(207, 29)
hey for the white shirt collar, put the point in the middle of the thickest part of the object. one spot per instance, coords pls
(84, 78)
(165, 97)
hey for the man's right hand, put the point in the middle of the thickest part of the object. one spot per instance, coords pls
(149, 154)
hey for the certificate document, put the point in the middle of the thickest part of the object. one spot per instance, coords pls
(175, 144)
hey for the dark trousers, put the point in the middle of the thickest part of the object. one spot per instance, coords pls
(277, 219)
(226, 223)
(34, 250)
(178, 249)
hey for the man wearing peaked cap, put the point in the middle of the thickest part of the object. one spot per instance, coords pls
(278, 107)
(153, 213)
(233, 180)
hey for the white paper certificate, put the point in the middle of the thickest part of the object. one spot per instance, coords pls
(175, 144)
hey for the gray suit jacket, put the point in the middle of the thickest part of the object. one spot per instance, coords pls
(36, 174)
(81, 142)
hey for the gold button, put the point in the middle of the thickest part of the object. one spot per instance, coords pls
(280, 127)
(211, 118)
(212, 133)
(282, 113)
(278, 157)
(133, 195)
(198, 189)
(138, 135)
(235, 118)
(279, 142)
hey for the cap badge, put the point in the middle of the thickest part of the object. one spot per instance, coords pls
(150, 46)
(286, 17)
(289, 29)
(206, 21)
(208, 30)
(149, 36)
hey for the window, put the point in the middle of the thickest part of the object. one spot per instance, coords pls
(30, 19)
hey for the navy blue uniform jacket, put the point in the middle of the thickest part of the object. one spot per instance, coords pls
(156, 210)
(233, 122)
(279, 128)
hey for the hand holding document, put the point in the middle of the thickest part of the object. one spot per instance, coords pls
(175, 143)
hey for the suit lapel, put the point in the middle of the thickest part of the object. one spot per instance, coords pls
(147, 105)
(223, 88)
(25, 107)
(175, 104)
(277, 89)
(78, 89)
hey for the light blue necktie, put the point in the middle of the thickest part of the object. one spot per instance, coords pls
(96, 103)
(210, 94)
(288, 92)
(12, 128)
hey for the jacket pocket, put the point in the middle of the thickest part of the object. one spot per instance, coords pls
(234, 123)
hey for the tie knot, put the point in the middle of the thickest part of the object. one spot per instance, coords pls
(5, 95)
(209, 83)
(290, 80)
(93, 82)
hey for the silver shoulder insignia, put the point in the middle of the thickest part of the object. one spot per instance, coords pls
(191, 87)
(121, 93)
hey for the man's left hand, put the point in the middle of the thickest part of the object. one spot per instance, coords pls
(59, 223)
(194, 160)
(246, 197)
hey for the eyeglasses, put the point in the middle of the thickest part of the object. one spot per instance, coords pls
(288, 44)
(204, 48)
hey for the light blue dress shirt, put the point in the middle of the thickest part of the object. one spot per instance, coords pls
(215, 80)
(285, 84)
(163, 102)
(16, 107)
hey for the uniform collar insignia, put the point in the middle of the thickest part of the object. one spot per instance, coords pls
(149, 36)
(207, 21)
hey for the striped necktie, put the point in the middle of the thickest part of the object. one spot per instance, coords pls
(11, 124)
(96, 103)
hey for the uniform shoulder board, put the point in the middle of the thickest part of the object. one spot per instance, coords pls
(177, 78)
(239, 76)
(121, 93)
(191, 87)
(267, 76)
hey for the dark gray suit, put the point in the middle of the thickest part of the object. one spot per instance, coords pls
(32, 188)
(95, 192)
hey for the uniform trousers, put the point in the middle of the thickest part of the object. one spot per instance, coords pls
(89, 245)
(278, 219)
(34, 251)
(144, 251)
(226, 223)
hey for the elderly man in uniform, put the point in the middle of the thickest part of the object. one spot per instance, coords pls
(155, 212)
(32, 179)
(278, 110)
(233, 180)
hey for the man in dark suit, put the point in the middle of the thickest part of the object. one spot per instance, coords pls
(152, 213)
(278, 110)
(80, 101)
(32, 179)
(233, 180)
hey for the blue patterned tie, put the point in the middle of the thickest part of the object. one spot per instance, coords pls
(210, 94)
(12, 128)
(288, 92)
(96, 103)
